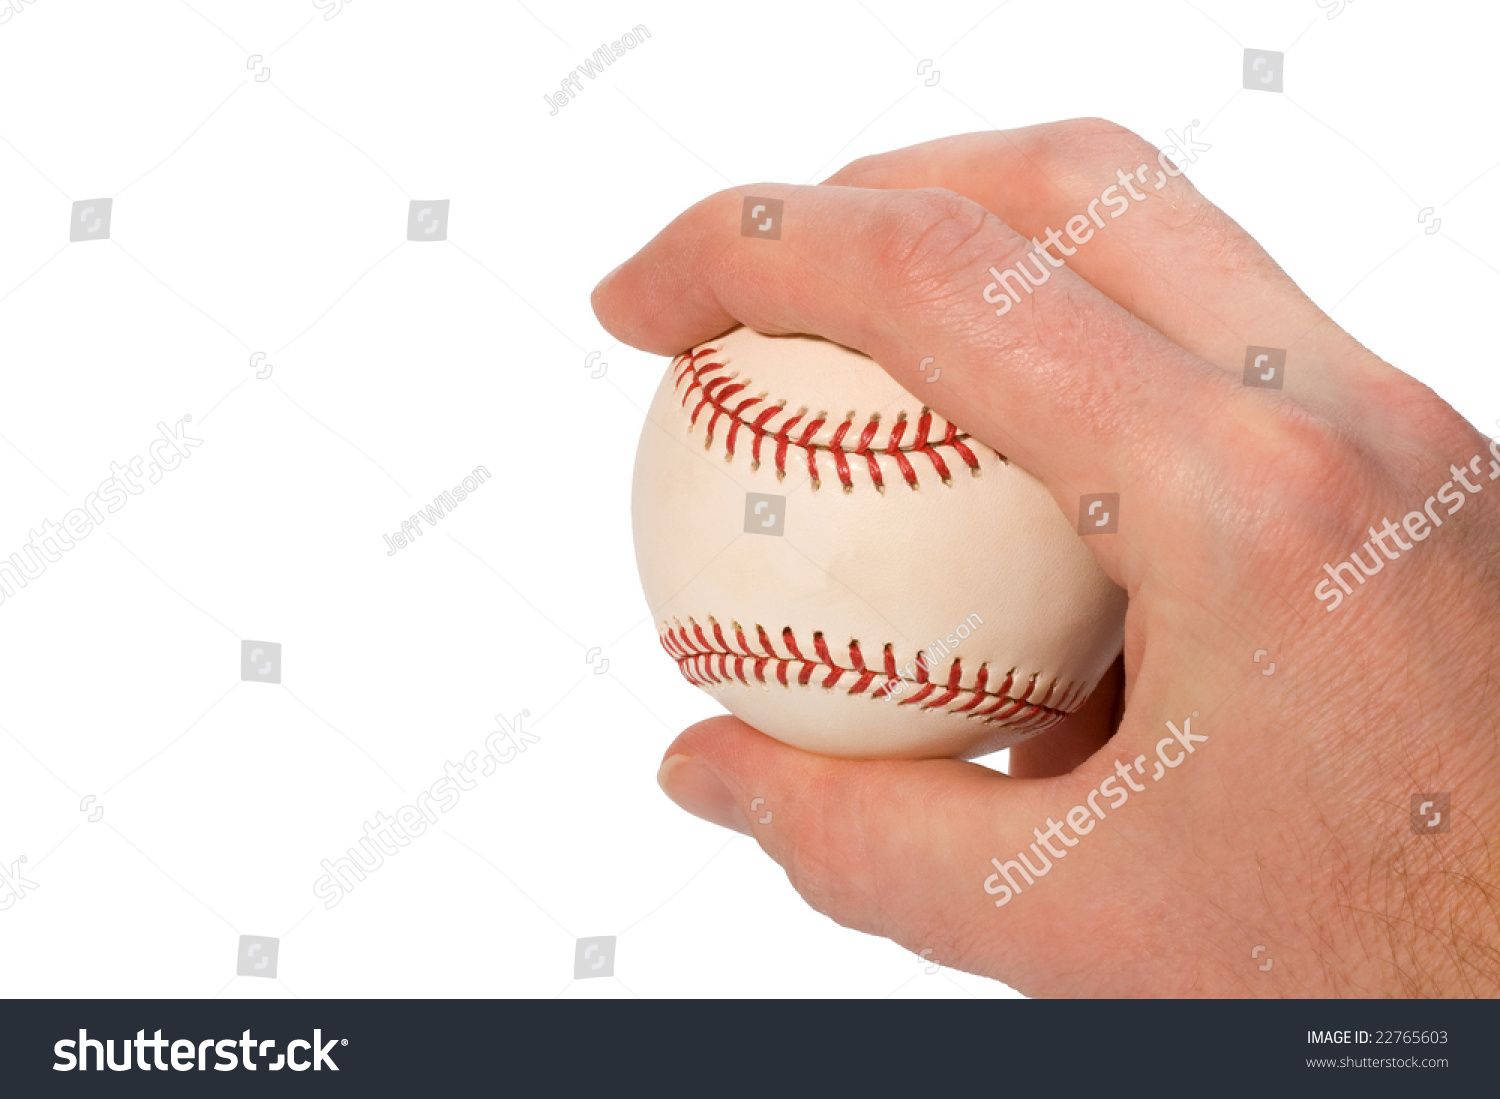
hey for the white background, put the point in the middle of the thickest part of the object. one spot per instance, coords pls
(270, 216)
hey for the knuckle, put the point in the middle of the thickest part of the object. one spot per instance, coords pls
(1063, 147)
(1301, 472)
(937, 207)
(929, 236)
(1430, 428)
(860, 171)
(1102, 135)
(1079, 149)
(721, 211)
(1094, 127)
(1194, 223)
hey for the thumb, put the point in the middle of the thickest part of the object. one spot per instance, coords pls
(896, 848)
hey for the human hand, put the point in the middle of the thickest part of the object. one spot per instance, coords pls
(1303, 718)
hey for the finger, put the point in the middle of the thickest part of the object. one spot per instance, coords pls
(898, 849)
(1175, 260)
(1055, 382)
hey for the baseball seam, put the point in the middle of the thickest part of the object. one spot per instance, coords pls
(705, 663)
(718, 388)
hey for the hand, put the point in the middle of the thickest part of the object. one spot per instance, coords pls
(1287, 820)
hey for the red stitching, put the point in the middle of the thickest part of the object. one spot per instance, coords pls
(704, 663)
(722, 392)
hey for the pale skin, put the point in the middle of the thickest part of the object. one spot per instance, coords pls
(1290, 827)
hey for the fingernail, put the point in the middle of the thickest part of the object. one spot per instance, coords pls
(698, 790)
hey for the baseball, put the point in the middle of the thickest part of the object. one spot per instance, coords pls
(850, 573)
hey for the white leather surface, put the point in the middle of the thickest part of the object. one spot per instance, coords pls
(902, 567)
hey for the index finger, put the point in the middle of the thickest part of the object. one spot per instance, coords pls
(1035, 361)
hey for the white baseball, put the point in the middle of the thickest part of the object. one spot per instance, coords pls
(912, 594)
